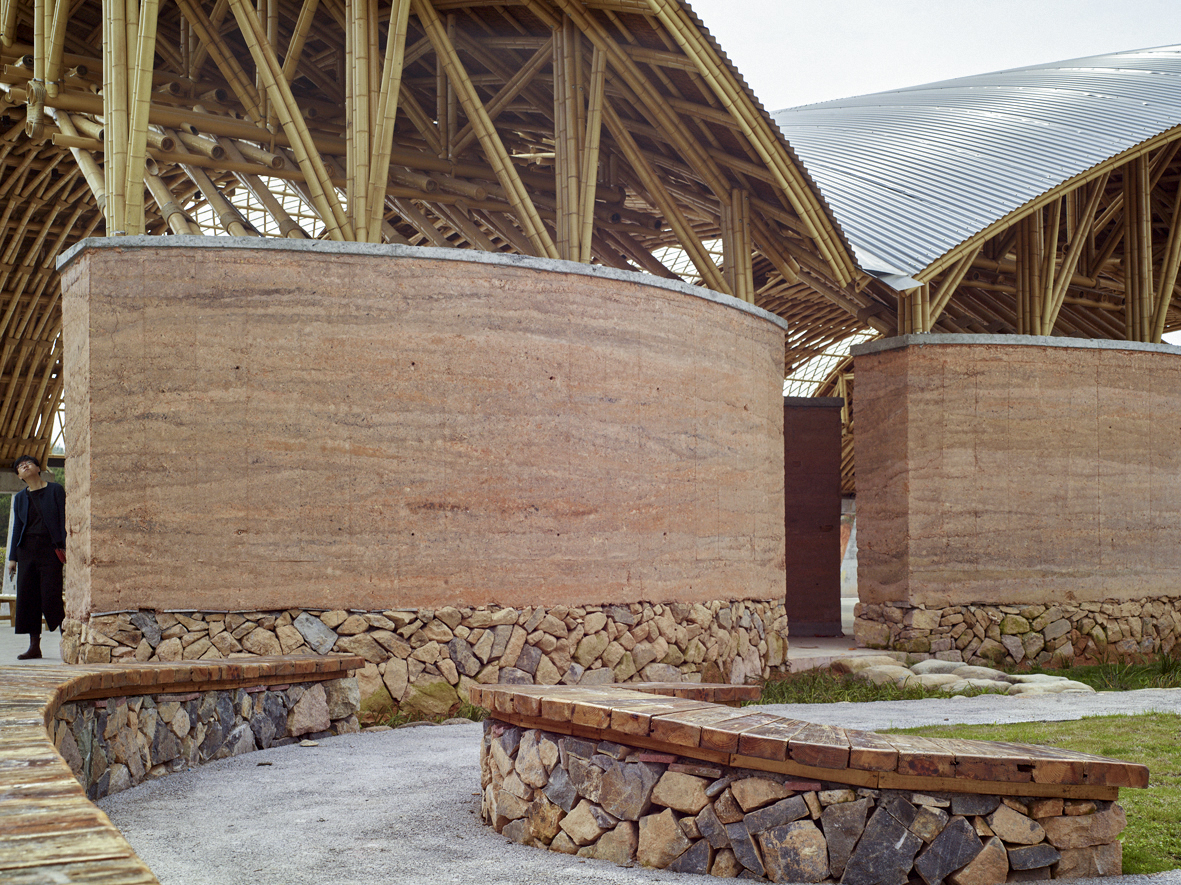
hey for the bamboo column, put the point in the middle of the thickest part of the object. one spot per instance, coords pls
(494, 148)
(1138, 286)
(947, 286)
(139, 100)
(590, 152)
(387, 111)
(176, 219)
(115, 113)
(736, 246)
(1170, 264)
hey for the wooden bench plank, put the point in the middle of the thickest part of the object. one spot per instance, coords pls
(922, 757)
(684, 729)
(870, 752)
(636, 718)
(820, 745)
(724, 735)
(769, 741)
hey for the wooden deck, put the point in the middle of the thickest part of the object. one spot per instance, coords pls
(49, 830)
(693, 725)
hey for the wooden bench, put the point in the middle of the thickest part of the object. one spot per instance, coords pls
(695, 725)
(10, 615)
(635, 775)
(51, 831)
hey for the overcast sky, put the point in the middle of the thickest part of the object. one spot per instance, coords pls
(795, 52)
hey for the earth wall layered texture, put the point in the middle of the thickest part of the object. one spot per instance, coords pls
(1022, 472)
(425, 660)
(271, 426)
(629, 805)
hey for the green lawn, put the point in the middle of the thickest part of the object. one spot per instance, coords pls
(1152, 841)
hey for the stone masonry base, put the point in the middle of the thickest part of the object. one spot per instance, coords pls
(627, 805)
(425, 660)
(116, 743)
(1061, 635)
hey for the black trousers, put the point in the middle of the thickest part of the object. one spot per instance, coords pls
(38, 586)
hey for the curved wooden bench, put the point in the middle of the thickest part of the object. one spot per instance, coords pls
(695, 725)
(50, 830)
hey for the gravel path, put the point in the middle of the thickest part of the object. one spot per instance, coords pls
(403, 806)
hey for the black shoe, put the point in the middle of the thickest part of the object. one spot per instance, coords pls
(31, 655)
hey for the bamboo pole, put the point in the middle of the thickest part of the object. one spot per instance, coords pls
(421, 223)
(768, 144)
(1078, 242)
(951, 281)
(288, 226)
(383, 136)
(590, 152)
(664, 202)
(115, 115)
(56, 45)
(494, 148)
(310, 162)
(299, 36)
(173, 215)
(89, 166)
(223, 57)
(511, 89)
(231, 220)
(1170, 263)
(8, 11)
(140, 102)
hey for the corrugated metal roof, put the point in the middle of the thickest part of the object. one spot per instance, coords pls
(914, 172)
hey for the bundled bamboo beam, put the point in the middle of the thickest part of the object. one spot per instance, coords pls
(212, 43)
(511, 89)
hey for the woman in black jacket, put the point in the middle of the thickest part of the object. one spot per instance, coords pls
(38, 544)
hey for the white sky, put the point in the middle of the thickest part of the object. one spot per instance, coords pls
(795, 52)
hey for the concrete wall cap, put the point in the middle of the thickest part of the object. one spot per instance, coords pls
(921, 340)
(431, 253)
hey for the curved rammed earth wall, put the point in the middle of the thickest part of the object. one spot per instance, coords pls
(291, 425)
(1014, 470)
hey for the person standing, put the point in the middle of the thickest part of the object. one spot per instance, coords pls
(38, 545)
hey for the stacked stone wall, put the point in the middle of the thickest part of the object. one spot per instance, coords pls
(116, 743)
(613, 802)
(1055, 636)
(426, 659)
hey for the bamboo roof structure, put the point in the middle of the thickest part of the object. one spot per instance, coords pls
(610, 131)
(614, 132)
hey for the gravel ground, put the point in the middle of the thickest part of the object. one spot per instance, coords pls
(403, 806)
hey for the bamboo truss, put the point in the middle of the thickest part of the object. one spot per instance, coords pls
(614, 132)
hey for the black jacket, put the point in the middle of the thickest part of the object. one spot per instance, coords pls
(53, 514)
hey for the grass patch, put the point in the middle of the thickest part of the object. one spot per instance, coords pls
(821, 686)
(1164, 672)
(1152, 841)
(464, 710)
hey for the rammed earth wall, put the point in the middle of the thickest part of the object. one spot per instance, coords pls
(1061, 635)
(627, 805)
(427, 658)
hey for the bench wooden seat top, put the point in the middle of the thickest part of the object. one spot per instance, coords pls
(49, 830)
(695, 724)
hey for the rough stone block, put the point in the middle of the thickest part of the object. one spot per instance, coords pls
(884, 854)
(661, 840)
(795, 852)
(956, 846)
(843, 824)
